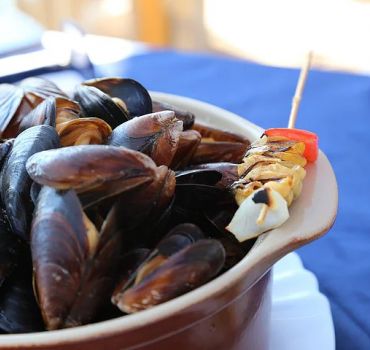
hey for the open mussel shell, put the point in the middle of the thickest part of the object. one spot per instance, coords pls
(44, 113)
(137, 265)
(97, 172)
(178, 238)
(136, 99)
(74, 264)
(96, 103)
(189, 268)
(83, 131)
(155, 134)
(19, 312)
(186, 117)
(15, 183)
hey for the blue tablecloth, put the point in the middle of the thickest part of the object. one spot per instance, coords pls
(337, 107)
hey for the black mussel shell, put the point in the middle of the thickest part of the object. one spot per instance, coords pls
(74, 264)
(155, 134)
(96, 103)
(189, 268)
(15, 183)
(134, 95)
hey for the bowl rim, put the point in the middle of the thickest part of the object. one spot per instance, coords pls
(155, 314)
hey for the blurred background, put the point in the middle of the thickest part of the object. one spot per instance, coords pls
(266, 31)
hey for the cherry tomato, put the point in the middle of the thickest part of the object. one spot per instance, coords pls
(309, 138)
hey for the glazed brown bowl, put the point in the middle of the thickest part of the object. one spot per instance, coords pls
(230, 312)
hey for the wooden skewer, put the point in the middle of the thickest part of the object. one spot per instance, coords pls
(299, 90)
(293, 115)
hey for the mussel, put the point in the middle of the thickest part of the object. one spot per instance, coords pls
(12, 104)
(139, 262)
(53, 111)
(83, 131)
(73, 262)
(37, 89)
(128, 93)
(18, 101)
(127, 265)
(97, 172)
(156, 135)
(95, 103)
(15, 183)
(189, 268)
(186, 117)
(177, 238)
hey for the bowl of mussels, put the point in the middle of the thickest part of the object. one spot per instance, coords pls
(137, 220)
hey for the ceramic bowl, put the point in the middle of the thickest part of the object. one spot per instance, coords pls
(232, 311)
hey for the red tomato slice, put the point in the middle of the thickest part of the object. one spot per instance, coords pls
(309, 138)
